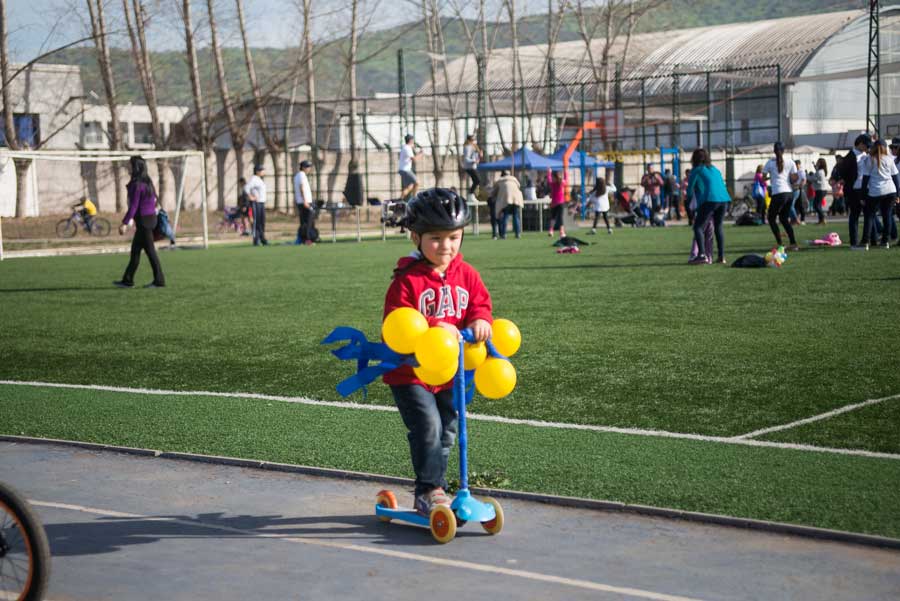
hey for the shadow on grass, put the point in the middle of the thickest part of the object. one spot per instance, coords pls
(109, 535)
(61, 289)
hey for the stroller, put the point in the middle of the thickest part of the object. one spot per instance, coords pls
(630, 211)
(231, 221)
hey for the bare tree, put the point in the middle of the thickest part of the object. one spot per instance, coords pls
(236, 130)
(614, 18)
(272, 143)
(136, 24)
(114, 135)
(200, 123)
(12, 140)
(352, 57)
(309, 69)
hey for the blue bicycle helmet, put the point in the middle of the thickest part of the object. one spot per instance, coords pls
(436, 209)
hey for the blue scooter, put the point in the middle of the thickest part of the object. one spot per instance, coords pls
(443, 521)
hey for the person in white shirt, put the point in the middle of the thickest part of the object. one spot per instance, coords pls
(781, 175)
(305, 207)
(599, 202)
(881, 180)
(408, 182)
(256, 192)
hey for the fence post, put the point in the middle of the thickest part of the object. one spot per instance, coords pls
(643, 114)
(709, 101)
(365, 124)
(676, 114)
(778, 112)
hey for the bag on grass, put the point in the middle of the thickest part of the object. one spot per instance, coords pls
(749, 261)
(749, 218)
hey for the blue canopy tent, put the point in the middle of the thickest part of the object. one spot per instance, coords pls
(522, 159)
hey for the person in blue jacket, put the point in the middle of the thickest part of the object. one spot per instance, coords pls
(708, 188)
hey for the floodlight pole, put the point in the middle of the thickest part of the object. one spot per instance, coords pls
(873, 83)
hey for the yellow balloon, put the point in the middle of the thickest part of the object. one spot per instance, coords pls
(506, 337)
(474, 355)
(495, 378)
(435, 378)
(401, 328)
(437, 349)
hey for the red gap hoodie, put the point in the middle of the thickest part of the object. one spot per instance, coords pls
(458, 297)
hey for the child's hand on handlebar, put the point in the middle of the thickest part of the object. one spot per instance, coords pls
(481, 329)
(450, 328)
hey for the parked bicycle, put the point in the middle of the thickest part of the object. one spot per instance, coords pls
(97, 226)
(740, 206)
(24, 551)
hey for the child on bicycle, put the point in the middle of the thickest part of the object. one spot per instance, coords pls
(87, 210)
(449, 292)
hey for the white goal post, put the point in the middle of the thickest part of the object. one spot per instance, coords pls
(7, 157)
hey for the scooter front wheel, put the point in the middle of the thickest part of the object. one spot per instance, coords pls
(443, 524)
(495, 525)
(386, 498)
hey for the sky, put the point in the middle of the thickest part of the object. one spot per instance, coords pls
(36, 26)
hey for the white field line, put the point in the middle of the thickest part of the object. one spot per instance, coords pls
(742, 440)
(318, 542)
(815, 418)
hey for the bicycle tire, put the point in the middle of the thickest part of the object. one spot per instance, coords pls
(100, 227)
(66, 228)
(740, 207)
(19, 525)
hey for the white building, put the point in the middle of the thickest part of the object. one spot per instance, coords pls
(134, 120)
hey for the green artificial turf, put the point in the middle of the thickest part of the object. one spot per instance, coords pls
(624, 334)
(826, 490)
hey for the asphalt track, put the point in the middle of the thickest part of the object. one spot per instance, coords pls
(134, 528)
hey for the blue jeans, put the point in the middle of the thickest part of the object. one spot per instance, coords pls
(259, 223)
(515, 211)
(431, 422)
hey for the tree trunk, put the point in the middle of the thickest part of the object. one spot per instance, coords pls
(201, 120)
(22, 166)
(311, 93)
(351, 72)
(234, 129)
(429, 17)
(141, 55)
(98, 30)
(261, 121)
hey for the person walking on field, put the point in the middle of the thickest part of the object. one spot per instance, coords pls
(408, 155)
(471, 158)
(305, 207)
(256, 191)
(141, 212)
(798, 213)
(707, 187)
(782, 176)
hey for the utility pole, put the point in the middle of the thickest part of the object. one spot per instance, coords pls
(873, 83)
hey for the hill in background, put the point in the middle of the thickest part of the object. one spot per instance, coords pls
(379, 74)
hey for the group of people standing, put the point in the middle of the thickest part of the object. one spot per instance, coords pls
(871, 185)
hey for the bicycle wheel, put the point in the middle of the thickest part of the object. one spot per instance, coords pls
(740, 207)
(66, 228)
(100, 227)
(24, 551)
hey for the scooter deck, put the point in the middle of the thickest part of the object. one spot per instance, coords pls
(404, 515)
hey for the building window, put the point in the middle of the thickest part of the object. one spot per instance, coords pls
(92, 132)
(143, 133)
(745, 131)
(28, 130)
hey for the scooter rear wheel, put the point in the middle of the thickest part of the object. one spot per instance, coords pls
(443, 524)
(495, 525)
(386, 498)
